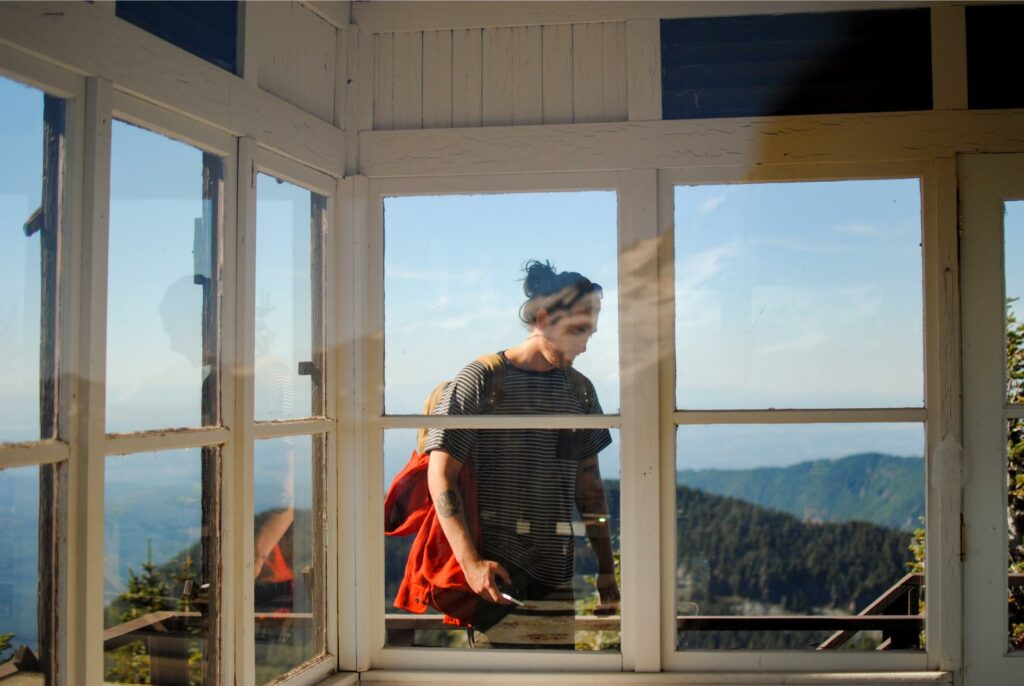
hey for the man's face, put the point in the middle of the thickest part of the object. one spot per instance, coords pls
(566, 333)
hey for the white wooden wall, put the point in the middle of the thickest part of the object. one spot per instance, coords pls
(296, 55)
(511, 76)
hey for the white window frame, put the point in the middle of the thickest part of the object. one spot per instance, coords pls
(30, 71)
(370, 358)
(253, 160)
(987, 183)
(742, 660)
(116, 104)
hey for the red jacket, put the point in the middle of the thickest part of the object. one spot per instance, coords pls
(433, 577)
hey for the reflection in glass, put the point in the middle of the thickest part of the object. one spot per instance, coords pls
(288, 572)
(156, 614)
(1015, 518)
(1014, 255)
(812, 522)
(163, 263)
(289, 230)
(453, 270)
(1013, 232)
(569, 616)
(799, 295)
(21, 177)
(19, 572)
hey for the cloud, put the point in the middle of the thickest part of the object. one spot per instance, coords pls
(798, 244)
(694, 271)
(706, 207)
(435, 275)
(857, 229)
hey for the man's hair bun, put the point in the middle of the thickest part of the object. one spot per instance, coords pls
(548, 289)
(540, 279)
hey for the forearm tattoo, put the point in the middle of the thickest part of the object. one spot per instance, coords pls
(448, 504)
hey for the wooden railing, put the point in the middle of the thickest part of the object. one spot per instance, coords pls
(894, 613)
(401, 628)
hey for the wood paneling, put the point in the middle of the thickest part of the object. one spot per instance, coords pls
(557, 74)
(466, 72)
(296, 56)
(527, 91)
(501, 76)
(407, 86)
(383, 81)
(437, 79)
(497, 77)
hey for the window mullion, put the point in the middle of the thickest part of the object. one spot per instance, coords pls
(638, 312)
(369, 507)
(345, 372)
(87, 463)
(944, 429)
(237, 597)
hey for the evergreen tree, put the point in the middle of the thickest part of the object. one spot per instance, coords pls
(5, 645)
(1015, 471)
(146, 593)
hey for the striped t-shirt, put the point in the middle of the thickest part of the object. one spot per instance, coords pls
(526, 483)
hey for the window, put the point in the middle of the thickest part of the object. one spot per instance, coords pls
(207, 29)
(32, 195)
(876, 61)
(162, 513)
(290, 491)
(991, 194)
(795, 515)
(164, 279)
(453, 277)
(1013, 255)
(30, 206)
(991, 54)
(157, 567)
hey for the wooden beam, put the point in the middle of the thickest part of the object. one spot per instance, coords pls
(664, 144)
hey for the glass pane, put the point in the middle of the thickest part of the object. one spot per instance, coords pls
(288, 218)
(156, 617)
(558, 558)
(792, 536)
(162, 282)
(21, 180)
(289, 571)
(1013, 232)
(799, 295)
(453, 271)
(19, 571)
(1015, 518)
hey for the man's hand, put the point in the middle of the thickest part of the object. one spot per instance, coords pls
(482, 576)
(609, 592)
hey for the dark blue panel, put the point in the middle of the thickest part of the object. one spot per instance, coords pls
(206, 29)
(994, 56)
(871, 61)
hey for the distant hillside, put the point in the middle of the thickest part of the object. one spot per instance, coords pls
(738, 558)
(868, 487)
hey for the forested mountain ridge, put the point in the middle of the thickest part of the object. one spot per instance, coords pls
(730, 551)
(871, 487)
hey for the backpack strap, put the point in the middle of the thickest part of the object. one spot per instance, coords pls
(494, 388)
(494, 380)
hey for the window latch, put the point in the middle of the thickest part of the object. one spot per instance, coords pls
(196, 594)
(307, 368)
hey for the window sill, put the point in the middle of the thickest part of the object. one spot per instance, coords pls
(388, 677)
